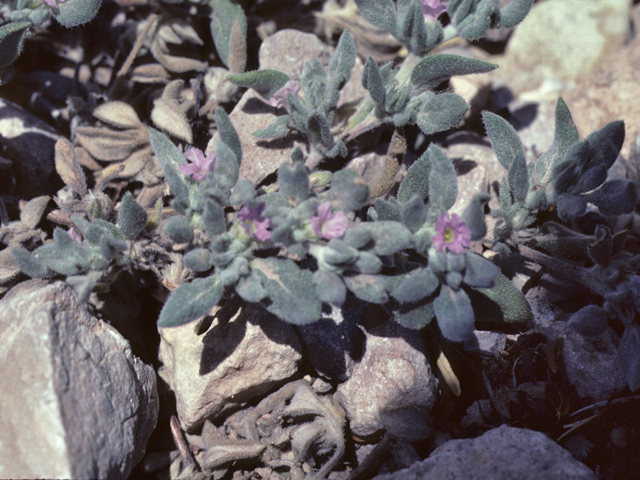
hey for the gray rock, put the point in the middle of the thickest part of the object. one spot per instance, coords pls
(504, 453)
(28, 144)
(75, 402)
(243, 355)
(486, 343)
(591, 364)
(333, 345)
(286, 51)
(392, 386)
(563, 40)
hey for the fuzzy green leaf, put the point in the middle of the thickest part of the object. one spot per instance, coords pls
(443, 181)
(412, 31)
(502, 307)
(370, 288)
(178, 229)
(380, 13)
(388, 209)
(585, 165)
(629, 356)
(342, 61)
(479, 272)
(414, 316)
(416, 285)
(504, 139)
(589, 321)
(278, 129)
(228, 133)
(132, 217)
(329, 287)
(250, 288)
(76, 12)
(215, 222)
(223, 15)
(454, 314)
(615, 197)
(416, 180)
(441, 112)
(264, 82)
(293, 181)
(414, 213)
(372, 81)
(198, 260)
(227, 167)
(389, 237)
(191, 301)
(32, 266)
(514, 12)
(435, 69)
(473, 215)
(170, 158)
(349, 190)
(566, 134)
(291, 291)
(314, 82)
(12, 37)
(475, 26)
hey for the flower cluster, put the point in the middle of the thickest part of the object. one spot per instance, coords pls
(452, 234)
(254, 223)
(199, 165)
(328, 225)
(433, 8)
(279, 99)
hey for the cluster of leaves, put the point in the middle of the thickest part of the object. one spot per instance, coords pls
(569, 176)
(401, 96)
(388, 258)
(103, 248)
(19, 16)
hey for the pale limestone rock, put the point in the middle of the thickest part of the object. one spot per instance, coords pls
(242, 356)
(392, 386)
(562, 40)
(75, 402)
(504, 453)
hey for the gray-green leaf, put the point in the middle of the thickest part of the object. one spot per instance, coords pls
(190, 301)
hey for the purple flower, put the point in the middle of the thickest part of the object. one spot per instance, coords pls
(73, 233)
(200, 165)
(433, 8)
(254, 223)
(279, 99)
(329, 225)
(452, 234)
(53, 3)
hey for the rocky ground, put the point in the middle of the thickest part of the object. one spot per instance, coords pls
(96, 391)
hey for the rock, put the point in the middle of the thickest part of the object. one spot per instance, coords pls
(590, 363)
(486, 344)
(503, 453)
(563, 40)
(28, 143)
(392, 386)
(75, 402)
(333, 344)
(243, 355)
(286, 51)
(609, 93)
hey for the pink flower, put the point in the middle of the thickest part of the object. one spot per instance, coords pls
(433, 8)
(53, 3)
(254, 223)
(329, 225)
(73, 233)
(199, 166)
(452, 234)
(279, 99)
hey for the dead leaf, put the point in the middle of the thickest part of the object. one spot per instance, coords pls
(69, 168)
